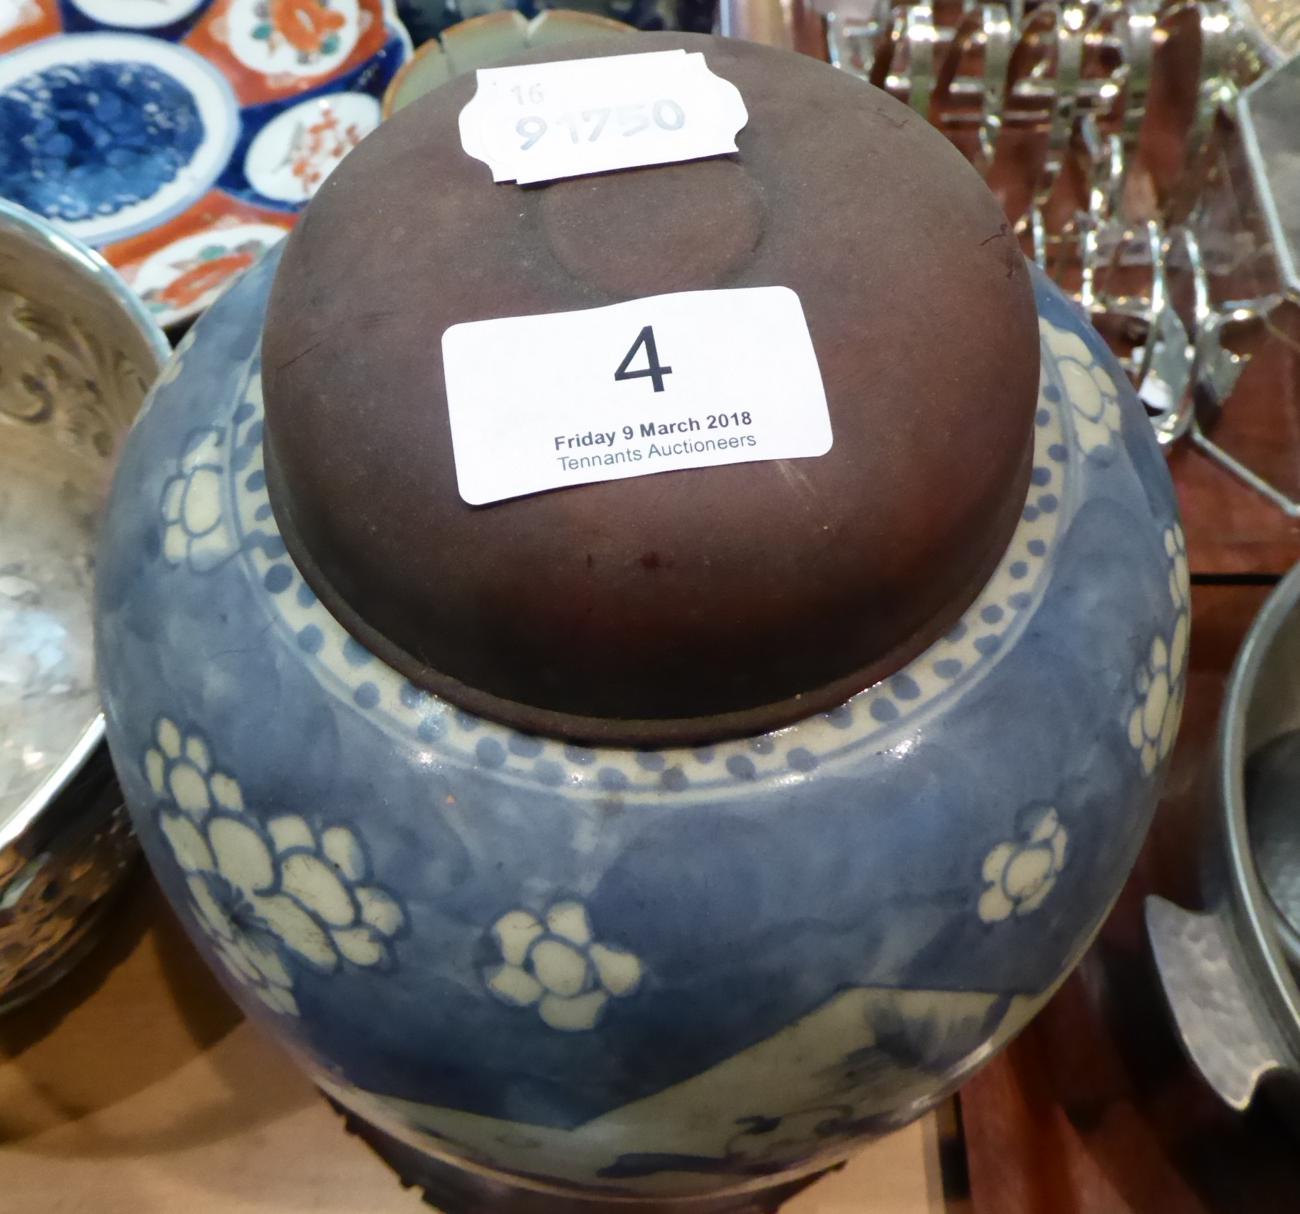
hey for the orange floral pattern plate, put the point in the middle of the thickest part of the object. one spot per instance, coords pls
(182, 137)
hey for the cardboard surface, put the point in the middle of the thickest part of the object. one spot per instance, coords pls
(136, 1087)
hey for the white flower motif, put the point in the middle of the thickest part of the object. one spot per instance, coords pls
(266, 896)
(1021, 874)
(195, 529)
(180, 769)
(555, 964)
(1153, 721)
(1090, 390)
(1179, 577)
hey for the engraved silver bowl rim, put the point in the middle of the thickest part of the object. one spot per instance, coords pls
(1231, 991)
(100, 276)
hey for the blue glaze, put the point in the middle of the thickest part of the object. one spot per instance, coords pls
(551, 958)
(76, 21)
(88, 139)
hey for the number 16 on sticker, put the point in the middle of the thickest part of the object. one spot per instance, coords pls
(542, 121)
(670, 382)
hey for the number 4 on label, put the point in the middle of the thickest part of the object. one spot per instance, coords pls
(655, 370)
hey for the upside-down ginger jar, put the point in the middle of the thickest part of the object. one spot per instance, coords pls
(656, 839)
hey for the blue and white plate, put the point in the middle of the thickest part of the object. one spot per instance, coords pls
(182, 137)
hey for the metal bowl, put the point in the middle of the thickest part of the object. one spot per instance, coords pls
(77, 354)
(1231, 988)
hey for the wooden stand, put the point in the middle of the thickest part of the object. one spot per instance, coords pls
(457, 1191)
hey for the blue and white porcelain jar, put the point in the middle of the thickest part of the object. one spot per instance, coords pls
(679, 969)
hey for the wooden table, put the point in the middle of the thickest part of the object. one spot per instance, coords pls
(1093, 1109)
(136, 1087)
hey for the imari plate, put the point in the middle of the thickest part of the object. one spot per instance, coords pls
(182, 137)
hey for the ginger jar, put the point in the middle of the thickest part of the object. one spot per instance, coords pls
(656, 840)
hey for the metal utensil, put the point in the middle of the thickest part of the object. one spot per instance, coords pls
(77, 354)
(1233, 995)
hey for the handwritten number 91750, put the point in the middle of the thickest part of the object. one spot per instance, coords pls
(591, 125)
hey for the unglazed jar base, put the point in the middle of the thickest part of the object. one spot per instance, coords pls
(666, 974)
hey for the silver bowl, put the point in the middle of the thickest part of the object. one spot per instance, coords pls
(1230, 972)
(77, 354)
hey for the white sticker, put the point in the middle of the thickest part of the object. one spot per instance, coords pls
(670, 381)
(552, 120)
